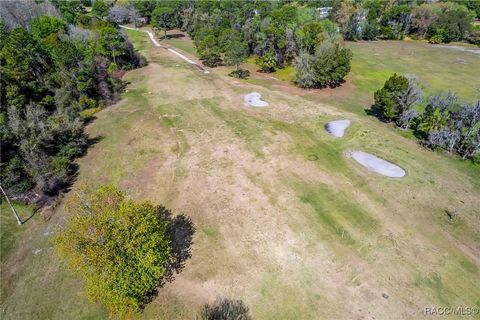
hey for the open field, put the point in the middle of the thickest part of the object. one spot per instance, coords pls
(436, 68)
(284, 221)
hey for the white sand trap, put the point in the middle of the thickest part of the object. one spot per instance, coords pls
(373, 163)
(253, 99)
(337, 128)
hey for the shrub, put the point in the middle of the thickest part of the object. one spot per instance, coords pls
(267, 62)
(226, 309)
(240, 73)
(385, 103)
(88, 114)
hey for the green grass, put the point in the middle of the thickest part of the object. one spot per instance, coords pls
(182, 44)
(327, 208)
(10, 231)
(335, 215)
(285, 74)
(374, 62)
(140, 39)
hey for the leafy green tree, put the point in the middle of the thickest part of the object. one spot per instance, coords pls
(304, 71)
(70, 9)
(310, 35)
(267, 62)
(437, 112)
(332, 64)
(100, 9)
(164, 18)
(385, 98)
(118, 246)
(45, 26)
(236, 53)
(111, 43)
(452, 23)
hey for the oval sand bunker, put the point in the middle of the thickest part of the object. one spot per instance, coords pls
(373, 163)
(253, 99)
(337, 128)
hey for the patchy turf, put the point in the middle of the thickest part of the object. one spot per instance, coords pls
(284, 220)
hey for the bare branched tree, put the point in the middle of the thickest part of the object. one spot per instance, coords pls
(20, 13)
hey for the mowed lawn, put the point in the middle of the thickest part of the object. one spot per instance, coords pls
(436, 68)
(285, 221)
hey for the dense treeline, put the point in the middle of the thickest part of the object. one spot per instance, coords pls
(302, 34)
(54, 76)
(278, 33)
(442, 21)
(440, 121)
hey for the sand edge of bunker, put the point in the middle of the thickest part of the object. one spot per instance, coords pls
(376, 164)
(337, 128)
(253, 99)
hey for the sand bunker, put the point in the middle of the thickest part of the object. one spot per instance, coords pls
(253, 99)
(373, 163)
(337, 128)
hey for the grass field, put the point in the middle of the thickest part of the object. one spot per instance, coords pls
(435, 68)
(285, 221)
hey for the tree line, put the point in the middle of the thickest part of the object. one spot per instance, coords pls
(304, 34)
(439, 121)
(54, 76)
(438, 22)
(278, 34)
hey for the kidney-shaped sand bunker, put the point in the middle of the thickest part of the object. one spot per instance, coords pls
(373, 163)
(337, 127)
(253, 99)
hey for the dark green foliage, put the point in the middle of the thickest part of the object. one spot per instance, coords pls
(236, 52)
(48, 77)
(267, 62)
(443, 124)
(164, 18)
(226, 309)
(385, 98)
(440, 21)
(326, 68)
(70, 10)
(100, 9)
(456, 129)
(240, 73)
(452, 24)
(47, 25)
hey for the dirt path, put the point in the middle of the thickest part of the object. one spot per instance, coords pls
(157, 44)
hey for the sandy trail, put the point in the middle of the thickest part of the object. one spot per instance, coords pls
(157, 44)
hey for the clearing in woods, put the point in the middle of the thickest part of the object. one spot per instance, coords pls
(284, 220)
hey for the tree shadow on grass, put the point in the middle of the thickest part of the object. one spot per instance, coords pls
(375, 111)
(181, 230)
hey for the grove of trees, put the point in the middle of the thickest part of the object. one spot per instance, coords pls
(439, 21)
(54, 76)
(440, 121)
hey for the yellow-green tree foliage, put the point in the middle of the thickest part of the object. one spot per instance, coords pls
(120, 247)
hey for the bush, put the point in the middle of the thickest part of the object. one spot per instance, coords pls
(386, 106)
(240, 74)
(119, 247)
(226, 309)
(267, 62)
(88, 114)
